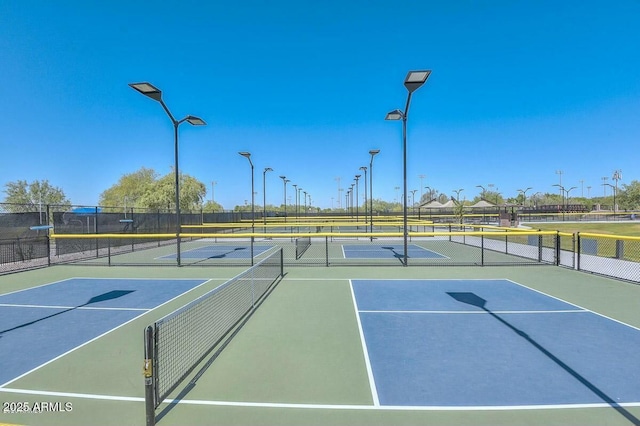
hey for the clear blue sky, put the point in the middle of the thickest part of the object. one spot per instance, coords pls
(519, 90)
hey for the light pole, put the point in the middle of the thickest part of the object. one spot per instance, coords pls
(247, 155)
(483, 191)
(614, 199)
(617, 175)
(458, 191)
(357, 196)
(372, 153)
(154, 93)
(413, 200)
(264, 195)
(364, 169)
(298, 202)
(295, 190)
(412, 82)
(284, 181)
(305, 202)
(524, 195)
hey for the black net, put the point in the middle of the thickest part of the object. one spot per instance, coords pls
(184, 337)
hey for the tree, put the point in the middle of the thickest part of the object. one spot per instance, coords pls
(144, 189)
(212, 207)
(161, 194)
(629, 197)
(34, 194)
(130, 189)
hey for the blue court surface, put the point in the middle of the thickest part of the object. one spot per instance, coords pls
(389, 251)
(220, 252)
(39, 324)
(479, 343)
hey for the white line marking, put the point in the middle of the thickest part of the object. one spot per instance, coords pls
(97, 337)
(573, 304)
(38, 286)
(318, 406)
(85, 308)
(567, 311)
(372, 382)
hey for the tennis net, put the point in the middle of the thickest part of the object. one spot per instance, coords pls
(302, 244)
(178, 342)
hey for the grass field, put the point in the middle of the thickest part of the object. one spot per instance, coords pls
(631, 229)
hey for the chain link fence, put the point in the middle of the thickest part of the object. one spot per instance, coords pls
(39, 236)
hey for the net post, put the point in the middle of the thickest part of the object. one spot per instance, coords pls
(577, 249)
(149, 394)
(326, 250)
(282, 261)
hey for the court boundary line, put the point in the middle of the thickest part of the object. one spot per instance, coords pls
(344, 254)
(37, 286)
(318, 406)
(559, 311)
(576, 305)
(2, 385)
(209, 245)
(82, 308)
(372, 382)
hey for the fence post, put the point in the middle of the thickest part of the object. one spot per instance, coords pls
(539, 247)
(557, 248)
(482, 250)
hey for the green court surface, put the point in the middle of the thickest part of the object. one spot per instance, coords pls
(299, 360)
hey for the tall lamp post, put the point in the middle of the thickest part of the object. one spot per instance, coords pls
(264, 195)
(295, 197)
(373, 153)
(154, 93)
(305, 202)
(413, 200)
(524, 195)
(247, 155)
(284, 181)
(412, 82)
(614, 199)
(357, 196)
(364, 169)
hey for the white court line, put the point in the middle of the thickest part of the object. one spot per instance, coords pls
(318, 406)
(372, 382)
(573, 304)
(559, 311)
(98, 337)
(85, 308)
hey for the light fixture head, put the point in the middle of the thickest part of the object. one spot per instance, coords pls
(396, 114)
(415, 79)
(195, 121)
(148, 89)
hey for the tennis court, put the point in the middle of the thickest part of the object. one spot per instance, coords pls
(331, 346)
